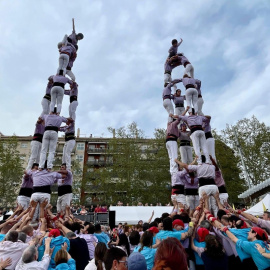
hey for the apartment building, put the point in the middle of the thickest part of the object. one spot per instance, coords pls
(88, 156)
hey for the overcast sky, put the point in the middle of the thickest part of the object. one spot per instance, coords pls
(120, 61)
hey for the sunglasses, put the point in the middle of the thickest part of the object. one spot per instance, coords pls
(125, 262)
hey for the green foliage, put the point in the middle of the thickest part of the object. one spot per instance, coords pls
(227, 161)
(135, 169)
(254, 140)
(11, 171)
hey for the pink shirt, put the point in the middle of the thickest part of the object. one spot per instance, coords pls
(172, 128)
(219, 179)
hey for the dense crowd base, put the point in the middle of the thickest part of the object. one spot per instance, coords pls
(177, 240)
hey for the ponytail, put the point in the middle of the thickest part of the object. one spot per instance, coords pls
(99, 264)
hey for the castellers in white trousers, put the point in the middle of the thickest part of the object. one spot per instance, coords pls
(35, 154)
(49, 142)
(63, 63)
(67, 150)
(199, 143)
(168, 79)
(57, 95)
(200, 105)
(192, 97)
(172, 152)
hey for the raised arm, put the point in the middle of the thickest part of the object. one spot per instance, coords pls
(229, 234)
(194, 161)
(180, 42)
(183, 165)
(151, 217)
(214, 163)
(248, 216)
(189, 232)
(216, 196)
(67, 92)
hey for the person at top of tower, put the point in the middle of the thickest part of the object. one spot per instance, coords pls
(174, 48)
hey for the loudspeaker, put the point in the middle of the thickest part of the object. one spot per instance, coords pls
(112, 219)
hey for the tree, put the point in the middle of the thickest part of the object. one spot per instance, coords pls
(254, 140)
(228, 162)
(133, 170)
(11, 171)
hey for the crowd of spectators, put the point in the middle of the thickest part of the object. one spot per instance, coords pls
(174, 241)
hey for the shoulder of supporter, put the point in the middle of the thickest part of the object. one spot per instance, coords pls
(244, 245)
(193, 168)
(264, 223)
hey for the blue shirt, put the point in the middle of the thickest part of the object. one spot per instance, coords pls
(102, 237)
(241, 234)
(70, 265)
(198, 259)
(2, 236)
(149, 255)
(250, 248)
(57, 243)
(165, 234)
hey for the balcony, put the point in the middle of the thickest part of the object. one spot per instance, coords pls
(96, 150)
(99, 162)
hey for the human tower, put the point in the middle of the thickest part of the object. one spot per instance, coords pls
(38, 177)
(189, 184)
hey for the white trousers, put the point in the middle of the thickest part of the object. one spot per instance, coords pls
(192, 201)
(210, 190)
(49, 143)
(168, 79)
(180, 198)
(223, 197)
(63, 201)
(57, 95)
(172, 152)
(71, 75)
(210, 144)
(39, 197)
(45, 103)
(63, 63)
(68, 147)
(199, 143)
(189, 70)
(23, 201)
(179, 110)
(167, 104)
(186, 154)
(35, 154)
(200, 105)
(72, 109)
(192, 97)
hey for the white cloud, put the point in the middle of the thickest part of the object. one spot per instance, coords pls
(119, 67)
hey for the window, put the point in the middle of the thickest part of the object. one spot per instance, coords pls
(24, 145)
(80, 146)
(79, 158)
(91, 158)
(91, 146)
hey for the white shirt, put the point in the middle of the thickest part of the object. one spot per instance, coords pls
(13, 250)
(204, 170)
(92, 266)
(42, 265)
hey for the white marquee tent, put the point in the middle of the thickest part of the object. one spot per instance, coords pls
(132, 214)
(258, 209)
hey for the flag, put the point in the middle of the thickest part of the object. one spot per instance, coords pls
(264, 208)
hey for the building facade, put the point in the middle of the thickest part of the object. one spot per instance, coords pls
(89, 156)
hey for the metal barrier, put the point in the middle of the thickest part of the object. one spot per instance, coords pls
(96, 218)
